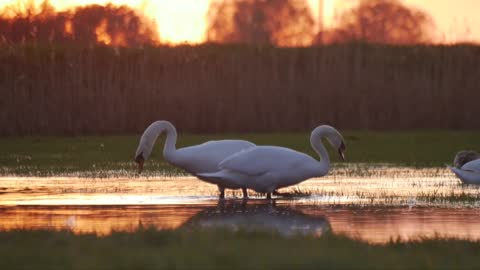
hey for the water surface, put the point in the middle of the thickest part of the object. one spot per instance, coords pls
(353, 185)
(373, 204)
(372, 225)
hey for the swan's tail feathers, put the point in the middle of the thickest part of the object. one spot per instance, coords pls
(216, 175)
(218, 178)
(456, 171)
(213, 177)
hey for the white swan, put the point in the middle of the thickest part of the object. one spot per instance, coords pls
(467, 167)
(267, 168)
(195, 159)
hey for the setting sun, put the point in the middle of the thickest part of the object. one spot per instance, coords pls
(185, 20)
(177, 21)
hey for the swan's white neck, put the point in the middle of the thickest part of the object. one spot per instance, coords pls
(317, 145)
(156, 129)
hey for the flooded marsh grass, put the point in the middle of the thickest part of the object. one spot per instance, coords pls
(391, 203)
(89, 185)
(360, 185)
(380, 185)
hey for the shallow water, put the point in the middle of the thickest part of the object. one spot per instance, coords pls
(355, 185)
(372, 225)
(374, 204)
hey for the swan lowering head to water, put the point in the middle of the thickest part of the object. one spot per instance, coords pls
(463, 157)
(202, 158)
(467, 167)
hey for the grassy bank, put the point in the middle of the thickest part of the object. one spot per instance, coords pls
(68, 90)
(149, 249)
(53, 155)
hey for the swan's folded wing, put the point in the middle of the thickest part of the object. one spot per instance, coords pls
(473, 166)
(205, 157)
(262, 159)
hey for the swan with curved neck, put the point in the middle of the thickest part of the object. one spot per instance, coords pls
(267, 168)
(202, 158)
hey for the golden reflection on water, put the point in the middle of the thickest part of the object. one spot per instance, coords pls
(383, 225)
(375, 204)
(102, 191)
(372, 225)
(101, 220)
(356, 184)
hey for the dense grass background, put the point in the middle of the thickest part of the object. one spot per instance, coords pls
(100, 90)
(51, 155)
(150, 249)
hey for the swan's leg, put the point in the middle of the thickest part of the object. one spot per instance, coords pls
(269, 196)
(245, 193)
(222, 192)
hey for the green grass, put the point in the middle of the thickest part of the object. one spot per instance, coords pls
(102, 155)
(151, 249)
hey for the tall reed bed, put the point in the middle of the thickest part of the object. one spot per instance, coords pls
(209, 88)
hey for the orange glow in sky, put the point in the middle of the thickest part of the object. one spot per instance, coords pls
(184, 20)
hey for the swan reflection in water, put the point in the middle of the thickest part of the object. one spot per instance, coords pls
(253, 216)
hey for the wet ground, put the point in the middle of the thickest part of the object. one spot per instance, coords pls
(375, 204)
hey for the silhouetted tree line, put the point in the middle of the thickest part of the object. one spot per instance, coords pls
(270, 22)
(290, 23)
(279, 22)
(87, 25)
(380, 21)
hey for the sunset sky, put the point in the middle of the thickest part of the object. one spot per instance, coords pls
(184, 20)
